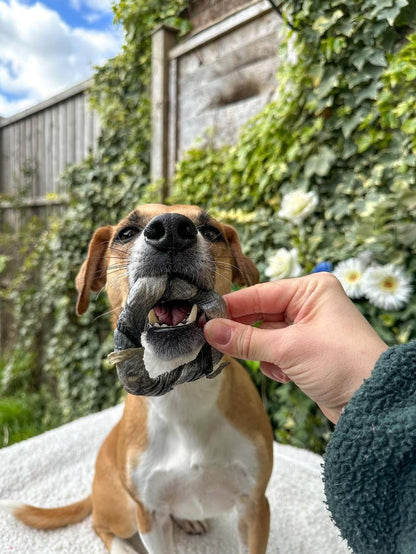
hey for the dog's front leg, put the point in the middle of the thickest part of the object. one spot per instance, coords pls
(253, 524)
(157, 537)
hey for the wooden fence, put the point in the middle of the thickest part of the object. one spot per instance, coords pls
(212, 81)
(35, 147)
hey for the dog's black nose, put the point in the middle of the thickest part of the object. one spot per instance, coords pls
(170, 232)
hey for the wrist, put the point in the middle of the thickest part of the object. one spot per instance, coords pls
(333, 414)
(354, 379)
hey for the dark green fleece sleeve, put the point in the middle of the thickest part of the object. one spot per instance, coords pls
(370, 463)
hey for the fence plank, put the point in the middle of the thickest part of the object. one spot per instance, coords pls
(35, 147)
(46, 138)
(55, 149)
(226, 74)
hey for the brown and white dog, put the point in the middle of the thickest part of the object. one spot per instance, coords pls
(205, 447)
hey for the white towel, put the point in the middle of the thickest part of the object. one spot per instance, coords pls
(57, 468)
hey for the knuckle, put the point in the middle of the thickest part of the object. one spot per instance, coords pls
(326, 280)
(332, 282)
(244, 342)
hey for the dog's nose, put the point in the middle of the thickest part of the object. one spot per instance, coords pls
(170, 232)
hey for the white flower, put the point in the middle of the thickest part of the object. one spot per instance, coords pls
(298, 205)
(283, 264)
(350, 274)
(387, 286)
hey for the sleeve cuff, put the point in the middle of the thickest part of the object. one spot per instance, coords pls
(370, 463)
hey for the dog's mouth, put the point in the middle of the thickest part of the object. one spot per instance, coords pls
(174, 325)
(163, 321)
(174, 314)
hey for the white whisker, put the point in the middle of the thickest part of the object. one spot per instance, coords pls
(109, 312)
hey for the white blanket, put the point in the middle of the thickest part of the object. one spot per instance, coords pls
(57, 468)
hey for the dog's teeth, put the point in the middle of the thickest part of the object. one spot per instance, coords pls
(164, 325)
(193, 314)
(152, 317)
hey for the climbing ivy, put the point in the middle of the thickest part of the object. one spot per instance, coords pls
(57, 355)
(342, 125)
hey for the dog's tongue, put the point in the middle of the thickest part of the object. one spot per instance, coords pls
(171, 314)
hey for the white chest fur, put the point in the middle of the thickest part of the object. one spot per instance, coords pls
(197, 465)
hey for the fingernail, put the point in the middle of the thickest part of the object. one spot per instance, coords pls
(275, 373)
(281, 377)
(218, 332)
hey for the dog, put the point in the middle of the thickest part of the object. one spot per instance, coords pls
(204, 447)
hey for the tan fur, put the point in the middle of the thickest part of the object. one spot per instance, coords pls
(53, 518)
(116, 506)
(237, 391)
(92, 275)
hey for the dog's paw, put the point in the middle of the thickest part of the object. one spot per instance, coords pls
(192, 527)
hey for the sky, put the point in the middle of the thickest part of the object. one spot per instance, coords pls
(47, 46)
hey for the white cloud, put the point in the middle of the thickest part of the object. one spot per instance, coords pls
(15, 106)
(92, 17)
(40, 55)
(102, 6)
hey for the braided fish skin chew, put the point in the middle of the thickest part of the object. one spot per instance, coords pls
(171, 298)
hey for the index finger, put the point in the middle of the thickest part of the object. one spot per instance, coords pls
(266, 302)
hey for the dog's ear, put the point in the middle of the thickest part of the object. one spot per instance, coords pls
(244, 270)
(92, 275)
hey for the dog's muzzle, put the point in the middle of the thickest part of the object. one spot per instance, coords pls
(169, 311)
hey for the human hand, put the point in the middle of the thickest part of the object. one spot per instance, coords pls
(310, 333)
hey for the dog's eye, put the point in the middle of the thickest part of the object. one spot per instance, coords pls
(211, 233)
(127, 234)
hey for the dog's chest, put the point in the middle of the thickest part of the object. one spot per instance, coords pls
(197, 465)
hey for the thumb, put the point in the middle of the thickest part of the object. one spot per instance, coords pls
(242, 341)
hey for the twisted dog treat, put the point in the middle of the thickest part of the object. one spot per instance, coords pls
(128, 354)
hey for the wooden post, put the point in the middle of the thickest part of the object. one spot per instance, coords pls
(2, 155)
(163, 40)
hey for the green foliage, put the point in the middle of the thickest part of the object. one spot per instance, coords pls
(26, 414)
(3, 262)
(57, 356)
(25, 417)
(121, 87)
(343, 125)
(14, 416)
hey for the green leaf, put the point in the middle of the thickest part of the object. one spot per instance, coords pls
(322, 23)
(3, 262)
(367, 93)
(321, 163)
(406, 233)
(409, 126)
(391, 13)
(328, 83)
(361, 56)
(350, 124)
(378, 58)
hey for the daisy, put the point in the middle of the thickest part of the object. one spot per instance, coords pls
(387, 286)
(283, 264)
(350, 274)
(298, 205)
